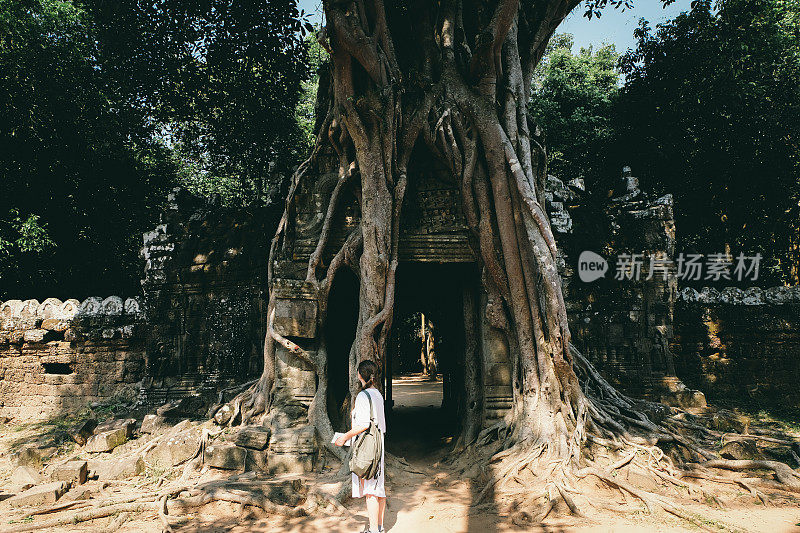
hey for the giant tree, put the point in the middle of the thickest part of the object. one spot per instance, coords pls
(453, 78)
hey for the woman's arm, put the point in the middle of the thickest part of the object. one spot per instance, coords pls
(349, 435)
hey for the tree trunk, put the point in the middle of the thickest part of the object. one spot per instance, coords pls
(453, 78)
(458, 89)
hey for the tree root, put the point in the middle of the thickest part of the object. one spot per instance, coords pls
(649, 499)
(785, 475)
(84, 516)
(234, 496)
(115, 524)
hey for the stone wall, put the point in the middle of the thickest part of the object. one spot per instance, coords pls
(622, 325)
(56, 357)
(205, 292)
(740, 345)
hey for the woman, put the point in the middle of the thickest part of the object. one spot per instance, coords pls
(372, 489)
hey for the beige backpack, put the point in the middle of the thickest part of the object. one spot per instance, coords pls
(367, 451)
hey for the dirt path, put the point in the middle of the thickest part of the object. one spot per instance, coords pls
(427, 496)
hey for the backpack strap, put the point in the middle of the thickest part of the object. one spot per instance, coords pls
(371, 410)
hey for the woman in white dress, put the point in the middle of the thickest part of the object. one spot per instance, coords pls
(372, 489)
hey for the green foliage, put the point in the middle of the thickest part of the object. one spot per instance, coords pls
(594, 8)
(305, 113)
(79, 172)
(221, 79)
(711, 111)
(104, 106)
(28, 234)
(573, 101)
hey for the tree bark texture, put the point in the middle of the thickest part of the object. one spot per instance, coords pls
(451, 78)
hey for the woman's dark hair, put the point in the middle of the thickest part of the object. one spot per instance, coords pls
(370, 372)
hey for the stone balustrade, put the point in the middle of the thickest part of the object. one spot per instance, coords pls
(735, 296)
(57, 356)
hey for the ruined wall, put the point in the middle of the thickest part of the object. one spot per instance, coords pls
(622, 325)
(743, 345)
(205, 292)
(59, 356)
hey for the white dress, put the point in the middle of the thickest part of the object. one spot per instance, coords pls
(360, 418)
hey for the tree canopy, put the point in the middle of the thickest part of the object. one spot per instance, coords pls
(107, 105)
(573, 99)
(710, 112)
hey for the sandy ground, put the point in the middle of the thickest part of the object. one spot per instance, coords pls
(430, 498)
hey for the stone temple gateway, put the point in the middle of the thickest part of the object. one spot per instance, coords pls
(438, 275)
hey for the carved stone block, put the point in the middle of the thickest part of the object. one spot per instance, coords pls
(296, 318)
(295, 308)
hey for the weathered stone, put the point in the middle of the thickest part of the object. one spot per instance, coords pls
(11, 308)
(125, 468)
(46, 494)
(128, 424)
(55, 324)
(741, 450)
(28, 455)
(753, 296)
(709, 295)
(75, 369)
(107, 440)
(91, 306)
(732, 295)
(225, 456)
(688, 294)
(297, 318)
(294, 463)
(132, 307)
(82, 431)
(292, 450)
(685, 399)
(152, 424)
(29, 308)
(24, 477)
(257, 461)
(81, 492)
(185, 407)
(38, 335)
(16, 336)
(69, 309)
(77, 494)
(256, 438)
(726, 421)
(223, 415)
(50, 308)
(113, 305)
(778, 295)
(72, 471)
(176, 447)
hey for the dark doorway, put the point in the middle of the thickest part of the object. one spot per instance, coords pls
(424, 370)
(340, 332)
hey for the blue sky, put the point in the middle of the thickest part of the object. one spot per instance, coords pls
(614, 26)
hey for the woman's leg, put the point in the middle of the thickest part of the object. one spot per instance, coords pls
(381, 509)
(373, 510)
